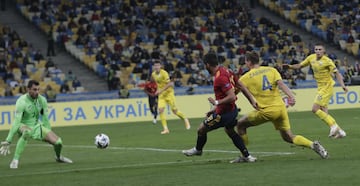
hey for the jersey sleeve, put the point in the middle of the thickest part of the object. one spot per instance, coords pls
(306, 61)
(19, 111)
(44, 113)
(332, 66)
(166, 77)
(224, 83)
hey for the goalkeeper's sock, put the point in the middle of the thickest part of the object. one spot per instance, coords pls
(325, 117)
(20, 146)
(180, 115)
(239, 143)
(245, 139)
(58, 147)
(201, 141)
(302, 141)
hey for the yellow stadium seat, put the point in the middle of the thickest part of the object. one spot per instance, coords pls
(15, 90)
(348, 47)
(355, 49)
(41, 64)
(17, 74)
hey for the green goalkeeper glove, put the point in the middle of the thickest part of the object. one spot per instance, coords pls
(5, 148)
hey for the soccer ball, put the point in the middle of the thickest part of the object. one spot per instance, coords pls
(102, 141)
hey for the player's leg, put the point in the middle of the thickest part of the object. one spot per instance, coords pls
(320, 109)
(242, 125)
(282, 124)
(249, 120)
(209, 124)
(303, 141)
(153, 107)
(161, 105)
(50, 137)
(229, 121)
(26, 133)
(175, 110)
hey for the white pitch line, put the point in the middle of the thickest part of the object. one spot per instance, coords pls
(165, 150)
(47, 172)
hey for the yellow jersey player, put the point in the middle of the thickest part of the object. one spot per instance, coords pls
(264, 83)
(166, 95)
(323, 68)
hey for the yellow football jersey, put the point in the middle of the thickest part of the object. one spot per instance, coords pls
(323, 69)
(162, 79)
(262, 83)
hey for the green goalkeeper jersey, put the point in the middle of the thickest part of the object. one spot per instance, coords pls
(27, 113)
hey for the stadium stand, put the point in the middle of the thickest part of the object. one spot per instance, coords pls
(119, 40)
(337, 22)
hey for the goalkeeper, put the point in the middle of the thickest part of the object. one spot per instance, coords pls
(27, 124)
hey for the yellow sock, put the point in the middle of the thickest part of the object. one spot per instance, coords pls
(163, 121)
(302, 141)
(330, 121)
(180, 115)
(245, 138)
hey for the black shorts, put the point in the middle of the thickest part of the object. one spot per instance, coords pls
(227, 120)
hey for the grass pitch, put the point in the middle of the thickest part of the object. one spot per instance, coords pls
(139, 155)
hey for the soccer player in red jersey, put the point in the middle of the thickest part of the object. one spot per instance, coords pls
(150, 89)
(224, 112)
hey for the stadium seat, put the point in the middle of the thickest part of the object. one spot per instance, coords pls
(355, 49)
(342, 44)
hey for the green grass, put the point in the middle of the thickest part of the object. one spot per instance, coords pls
(139, 155)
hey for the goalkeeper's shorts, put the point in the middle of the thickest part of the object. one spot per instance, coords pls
(38, 132)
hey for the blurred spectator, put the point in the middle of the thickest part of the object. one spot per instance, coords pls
(49, 63)
(51, 43)
(176, 77)
(192, 80)
(22, 88)
(55, 70)
(38, 56)
(123, 92)
(70, 76)
(76, 83)
(112, 80)
(64, 88)
(8, 91)
(50, 94)
(190, 91)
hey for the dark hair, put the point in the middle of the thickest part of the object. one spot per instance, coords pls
(157, 61)
(319, 44)
(32, 82)
(211, 59)
(253, 57)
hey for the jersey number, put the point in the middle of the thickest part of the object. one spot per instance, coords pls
(266, 84)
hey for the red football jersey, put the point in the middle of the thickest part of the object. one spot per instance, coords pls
(151, 87)
(222, 84)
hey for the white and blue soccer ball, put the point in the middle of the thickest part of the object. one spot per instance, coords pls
(102, 141)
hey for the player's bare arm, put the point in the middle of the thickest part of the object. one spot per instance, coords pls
(295, 66)
(340, 79)
(230, 97)
(287, 91)
(247, 94)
